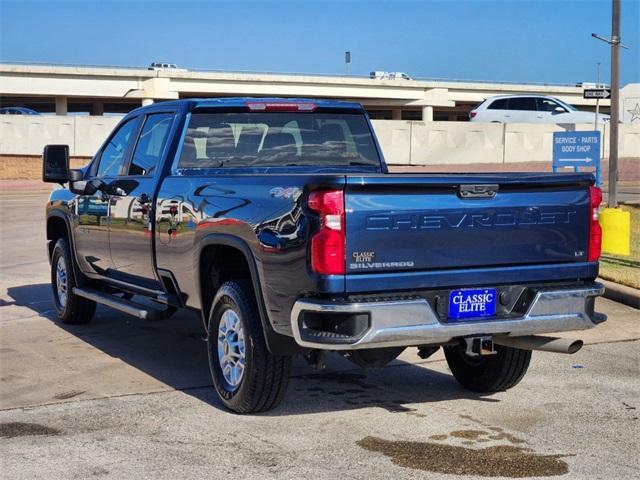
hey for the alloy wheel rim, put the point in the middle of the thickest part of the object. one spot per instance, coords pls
(231, 349)
(61, 281)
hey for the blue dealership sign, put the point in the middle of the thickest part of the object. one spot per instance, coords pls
(577, 149)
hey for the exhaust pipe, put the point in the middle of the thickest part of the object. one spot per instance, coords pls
(536, 342)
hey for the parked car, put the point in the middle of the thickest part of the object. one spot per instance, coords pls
(278, 222)
(592, 85)
(165, 66)
(379, 75)
(17, 111)
(530, 109)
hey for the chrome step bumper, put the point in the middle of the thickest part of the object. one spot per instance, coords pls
(413, 322)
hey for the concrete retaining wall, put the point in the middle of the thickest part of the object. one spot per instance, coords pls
(437, 143)
(403, 142)
(28, 134)
(453, 143)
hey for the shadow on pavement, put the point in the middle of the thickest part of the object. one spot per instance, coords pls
(37, 297)
(173, 351)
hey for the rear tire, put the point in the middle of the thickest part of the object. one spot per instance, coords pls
(71, 308)
(246, 376)
(491, 373)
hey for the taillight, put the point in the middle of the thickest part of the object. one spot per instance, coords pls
(265, 106)
(472, 113)
(595, 232)
(327, 246)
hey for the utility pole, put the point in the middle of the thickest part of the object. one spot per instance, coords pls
(615, 109)
(615, 43)
(597, 100)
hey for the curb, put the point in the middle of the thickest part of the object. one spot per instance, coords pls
(621, 293)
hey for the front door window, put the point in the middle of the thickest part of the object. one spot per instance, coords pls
(114, 154)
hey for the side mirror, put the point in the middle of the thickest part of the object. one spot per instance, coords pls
(88, 187)
(75, 175)
(55, 164)
(121, 188)
(559, 110)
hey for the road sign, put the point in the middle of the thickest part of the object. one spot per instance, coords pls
(577, 149)
(596, 93)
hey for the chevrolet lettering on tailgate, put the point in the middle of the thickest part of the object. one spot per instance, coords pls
(528, 216)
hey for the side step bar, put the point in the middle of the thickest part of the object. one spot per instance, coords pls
(161, 297)
(120, 304)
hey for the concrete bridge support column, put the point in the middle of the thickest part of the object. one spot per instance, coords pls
(61, 106)
(427, 113)
(396, 114)
(97, 108)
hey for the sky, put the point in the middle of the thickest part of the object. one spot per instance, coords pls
(515, 41)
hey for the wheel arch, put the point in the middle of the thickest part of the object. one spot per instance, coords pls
(57, 227)
(216, 250)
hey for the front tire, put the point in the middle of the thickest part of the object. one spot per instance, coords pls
(71, 308)
(491, 373)
(246, 376)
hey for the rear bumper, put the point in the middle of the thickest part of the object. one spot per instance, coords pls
(413, 321)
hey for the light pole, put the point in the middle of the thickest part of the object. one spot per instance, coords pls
(614, 41)
(597, 100)
(615, 109)
(615, 222)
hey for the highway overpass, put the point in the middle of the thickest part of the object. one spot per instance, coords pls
(104, 90)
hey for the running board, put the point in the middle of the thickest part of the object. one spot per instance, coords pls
(117, 303)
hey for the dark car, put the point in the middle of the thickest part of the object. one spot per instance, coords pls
(18, 111)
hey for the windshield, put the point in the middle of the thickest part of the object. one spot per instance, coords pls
(277, 139)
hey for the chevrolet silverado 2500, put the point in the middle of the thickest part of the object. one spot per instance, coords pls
(277, 221)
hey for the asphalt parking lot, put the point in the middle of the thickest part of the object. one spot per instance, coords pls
(121, 398)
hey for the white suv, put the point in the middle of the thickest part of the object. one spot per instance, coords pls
(530, 109)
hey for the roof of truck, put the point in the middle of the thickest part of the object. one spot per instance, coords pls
(191, 103)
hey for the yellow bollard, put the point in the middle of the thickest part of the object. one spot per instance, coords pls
(616, 231)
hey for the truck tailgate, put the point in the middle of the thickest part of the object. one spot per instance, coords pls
(421, 222)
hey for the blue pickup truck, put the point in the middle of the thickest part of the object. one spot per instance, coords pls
(277, 221)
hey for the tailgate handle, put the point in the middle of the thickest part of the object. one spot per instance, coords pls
(478, 191)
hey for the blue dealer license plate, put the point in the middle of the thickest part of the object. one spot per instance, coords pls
(472, 303)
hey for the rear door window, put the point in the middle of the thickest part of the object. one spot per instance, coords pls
(523, 103)
(150, 147)
(277, 139)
